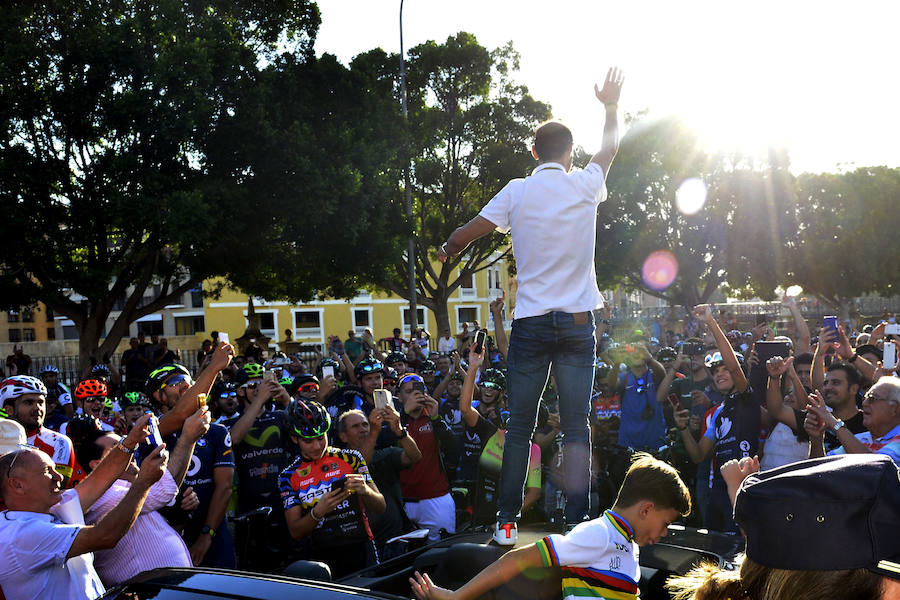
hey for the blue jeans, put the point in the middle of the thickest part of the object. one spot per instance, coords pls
(535, 344)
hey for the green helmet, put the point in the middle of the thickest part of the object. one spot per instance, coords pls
(132, 399)
(253, 370)
(494, 378)
(158, 376)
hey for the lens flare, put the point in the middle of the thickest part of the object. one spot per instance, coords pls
(793, 291)
(659, 270)
(690, 196)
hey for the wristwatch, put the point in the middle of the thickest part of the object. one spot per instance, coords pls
(207, 530)
(123, 448)
(837, 426)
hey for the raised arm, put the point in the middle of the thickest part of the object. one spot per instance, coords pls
(609, 96)
(194, 428)
(801, 341)
(460, 239)
(469, 414)
(704, 313)
(499, 332)
(189, 402)
(112, 465)
(778, 410)
(494, 575)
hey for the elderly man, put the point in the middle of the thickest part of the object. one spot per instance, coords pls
(47, 547)
(881, 417)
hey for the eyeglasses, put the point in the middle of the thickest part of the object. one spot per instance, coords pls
(16, 453)
(371, 368)
(251, 386)
(308, 387)
(177, 380)
(95, 399)
(873, 398)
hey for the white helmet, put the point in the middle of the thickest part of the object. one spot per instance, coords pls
(19, 385)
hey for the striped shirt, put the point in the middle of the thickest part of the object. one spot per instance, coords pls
(599, 559)
(888, 444)
(150, 543)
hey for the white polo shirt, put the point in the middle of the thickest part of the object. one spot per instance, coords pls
(553, 218)
(35, 546)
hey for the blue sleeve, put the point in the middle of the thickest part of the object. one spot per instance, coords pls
(711, 430)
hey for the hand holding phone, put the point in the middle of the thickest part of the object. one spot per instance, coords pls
(479, 341)
(223, 338)
(831, 322)
(327, 371)
(889, 359)
(382, 398)
(338, 484)
(269, 375)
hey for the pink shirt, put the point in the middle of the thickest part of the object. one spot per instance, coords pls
(150, 543)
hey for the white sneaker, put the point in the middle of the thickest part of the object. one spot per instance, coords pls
(505, 534)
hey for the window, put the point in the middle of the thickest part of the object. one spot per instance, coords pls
(197, 297)
(51, 333)
(189, 325)
(420, 319)
(146, 327)
(49, 312)
(495, 282)
(467, 285)
(28, 315)
(307, 324)
(28, 334)
(266, 320)
(466, 314)
(15, 335)
(12, 316)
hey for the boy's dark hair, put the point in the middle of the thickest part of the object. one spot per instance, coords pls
(804, 358)
(853, 377)
(552, 140)
(651, 479)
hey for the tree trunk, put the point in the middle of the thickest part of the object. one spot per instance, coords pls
(442, 316)
(89, 343)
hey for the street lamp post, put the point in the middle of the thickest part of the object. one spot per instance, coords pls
(411, 252)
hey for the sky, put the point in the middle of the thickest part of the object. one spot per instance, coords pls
(819, 78)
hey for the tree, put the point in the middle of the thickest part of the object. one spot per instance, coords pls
(729, 239)
(146, 147)
(470, 128)
(847, 234)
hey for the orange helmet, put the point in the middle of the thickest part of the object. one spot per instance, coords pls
(90, 388)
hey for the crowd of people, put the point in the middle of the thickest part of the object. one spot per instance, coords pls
(793, 440)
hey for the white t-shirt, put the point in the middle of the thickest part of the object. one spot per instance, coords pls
(35, 546)
(553, 219)
(446, 345)
(598, 558)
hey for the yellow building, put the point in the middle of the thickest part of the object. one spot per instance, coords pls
(313, 322)
(28, 324)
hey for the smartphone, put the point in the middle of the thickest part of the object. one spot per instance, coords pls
(889, 359)
(338, 484)
(832, 323)
(892, 329)
(269, 376)
(327, 371)
(382, 398)
(479, 341)
(759, 376)
(154, 439)
(223, 337)
(418, 386)
(675, 402)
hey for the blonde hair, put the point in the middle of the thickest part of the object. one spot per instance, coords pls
(756, 582)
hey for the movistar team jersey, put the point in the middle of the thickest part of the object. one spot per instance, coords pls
(599, 559)
(473, 442)
(305, 482)
(259, 459)
(212, 451)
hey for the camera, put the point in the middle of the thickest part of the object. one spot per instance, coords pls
(692, 348)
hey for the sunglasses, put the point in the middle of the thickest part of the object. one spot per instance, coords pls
(411, 377)
(250, 386)
(371, 368)
(308, 387)
(228, 395)
(177, 380)
(95, 399)
(714, 360)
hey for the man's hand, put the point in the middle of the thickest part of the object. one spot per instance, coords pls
(431, 405)
(221, 356)
(703, 313)
(199, 548)
(475, 360)
(196, 425)
(788, 302)
(735, 471)
(497, 304)
(357, 483)
(424, 588)
(154, 466)
(699, 398)
(392, 418)
(331, 499)
(612, 87)
(753, 358)
(189, 499)
(844, 349)
(814, 427)
(816, 406)
(778, 366)
(682, 418)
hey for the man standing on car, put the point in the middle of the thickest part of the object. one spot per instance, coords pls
(552, 215)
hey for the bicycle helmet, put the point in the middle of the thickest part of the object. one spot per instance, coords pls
(101, 370)
(395, 357)
(300, 380)
(427, 367)
(133, 399)
(254, 370)
(90, 388)
(221, 388)
(389, 375)
(158, 376)
(366, 366)
(602, 369)
(494, 378)
(286, 381)
(49, 369)
(666, 354)
(308, 419)
(329, 362)
(19, 385)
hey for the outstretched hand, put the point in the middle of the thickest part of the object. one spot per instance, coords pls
(424, 588)
(612, 87)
